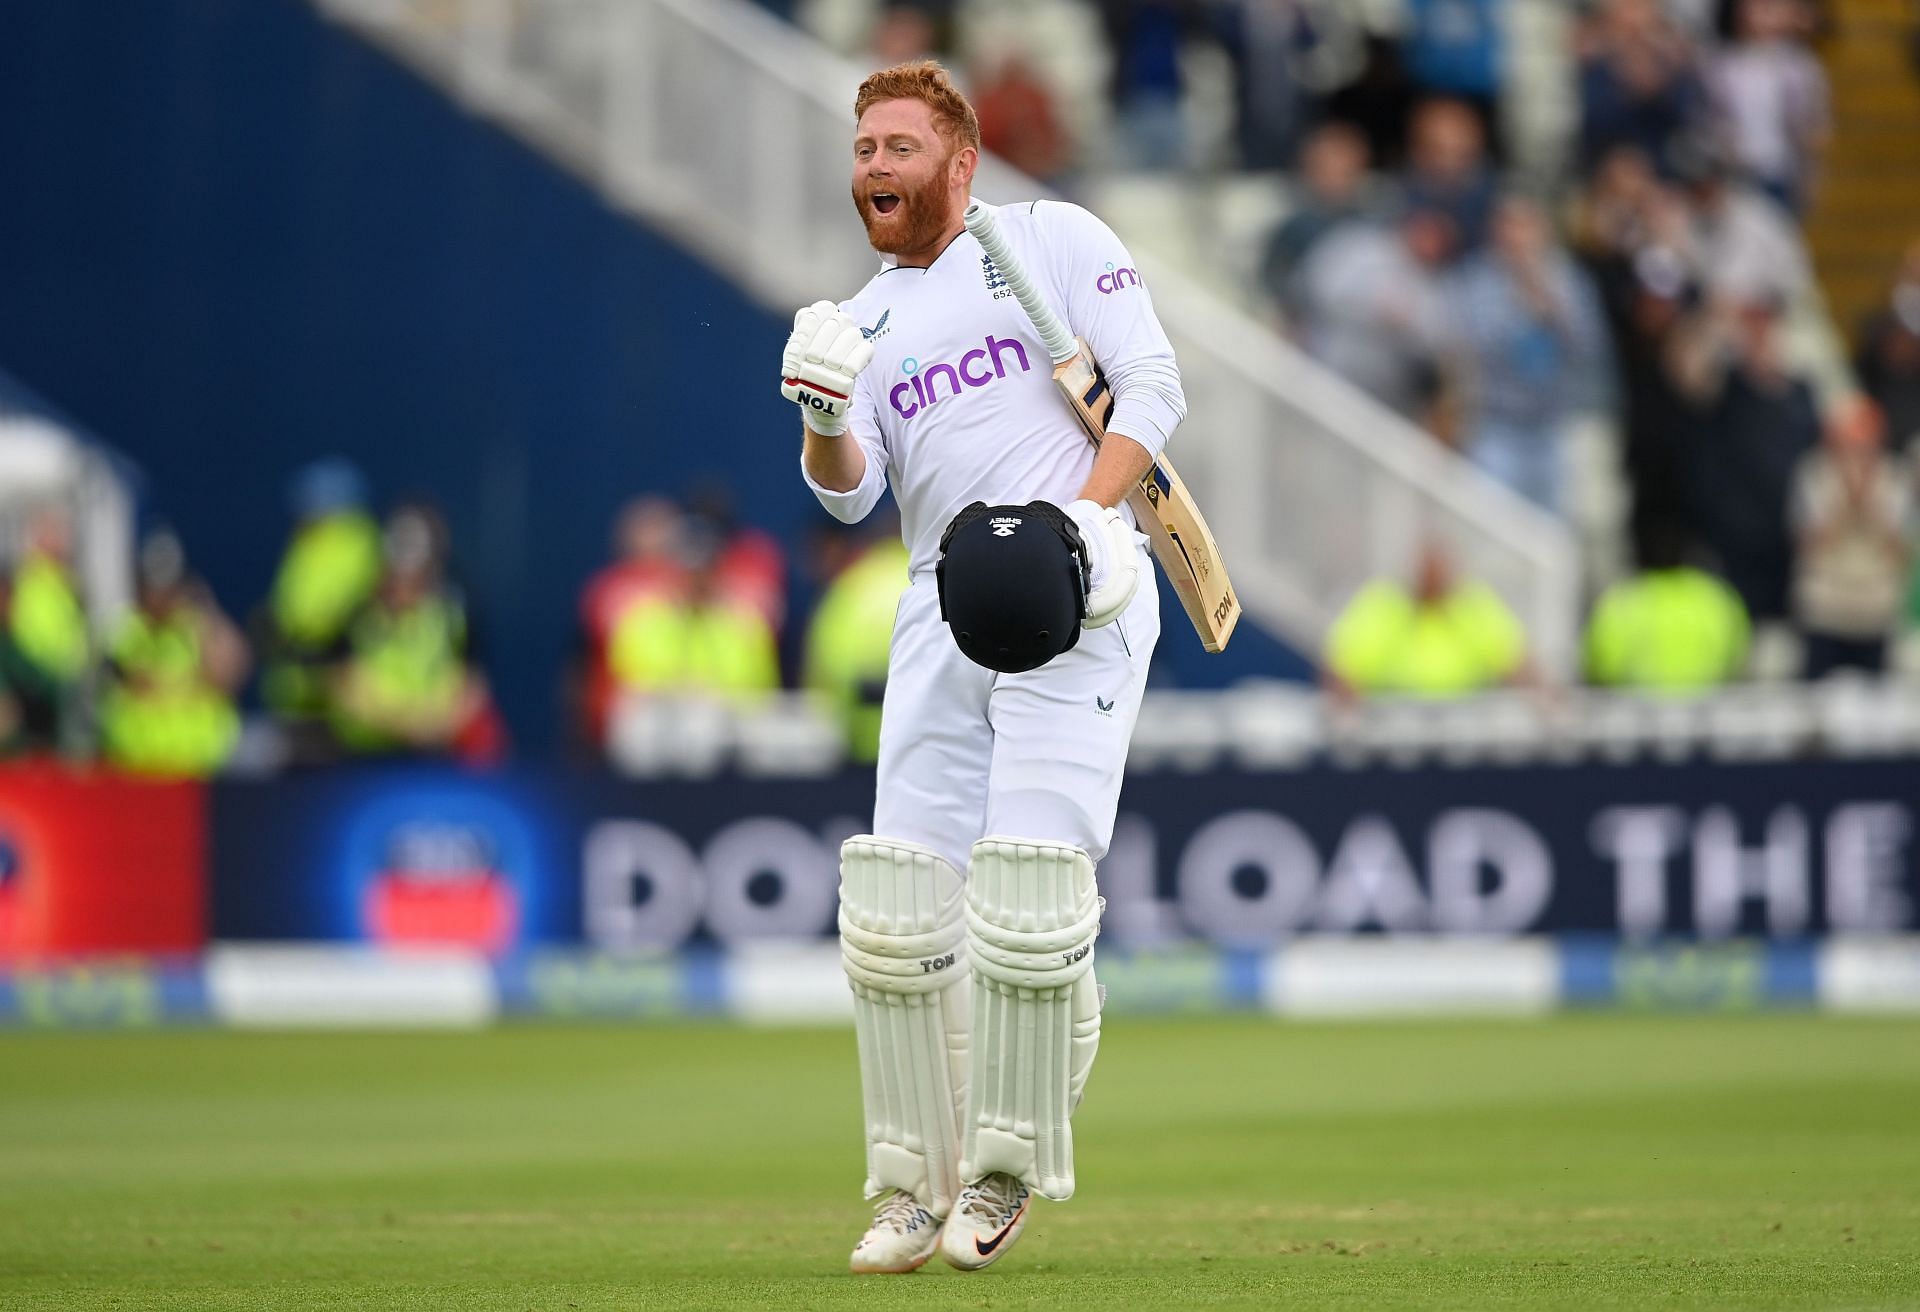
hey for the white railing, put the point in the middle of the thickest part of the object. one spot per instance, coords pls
(728, 128)
(1292, 726)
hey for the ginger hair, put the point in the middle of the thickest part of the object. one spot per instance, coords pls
(926, 81)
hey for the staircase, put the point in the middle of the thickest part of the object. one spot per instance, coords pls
(1868, 206)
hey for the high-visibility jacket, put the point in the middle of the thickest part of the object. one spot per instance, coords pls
(162, 716)
(409, 662)
(327, 575)
(1668, 630)
(662, 646)
(1387, 641)
(848, 642)
(45, 620)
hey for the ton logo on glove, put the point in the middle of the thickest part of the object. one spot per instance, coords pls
(824, 356)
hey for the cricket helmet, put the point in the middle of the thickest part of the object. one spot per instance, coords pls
(1013, 584)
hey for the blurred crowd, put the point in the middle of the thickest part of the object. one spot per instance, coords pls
(1660, 283)
(363, 647)
(693, 605)
(1657, 281)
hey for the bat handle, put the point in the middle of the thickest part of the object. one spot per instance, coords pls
(986, 230)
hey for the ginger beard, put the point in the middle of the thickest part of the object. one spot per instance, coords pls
(918, 218)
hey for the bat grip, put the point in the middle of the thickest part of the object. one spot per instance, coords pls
(986, 230)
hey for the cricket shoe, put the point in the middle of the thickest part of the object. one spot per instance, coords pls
(987, 1217)
(901, 1239)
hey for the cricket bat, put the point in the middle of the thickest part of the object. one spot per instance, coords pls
(1161, 504)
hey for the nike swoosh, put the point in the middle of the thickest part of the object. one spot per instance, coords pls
(984, 1249)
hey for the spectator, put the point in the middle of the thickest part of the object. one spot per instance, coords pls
(848, 640)
(1770, 98)
(752, 569)
(1660, 424)
(1533, 329)
(903, 32)
(1889, 359)
(1018, 121)
(407, 684)
(1671, 628)
(1453, 48)
(1378, 99)
(1372, 310)
(1745, 246)
(1448, 170)
(176, 663)
(1145, 37)
(1335, 189)
(702, 644)
(1638, 84)
(1268, 42)
(48, 652)
(1852, 505)
(1623, 209)
(1443, 637)
(647, 566)
(326, 578)
(1758, 419)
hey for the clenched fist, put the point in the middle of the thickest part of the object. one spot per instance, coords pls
(825, 353)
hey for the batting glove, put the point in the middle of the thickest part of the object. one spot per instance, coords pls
(1115, 563)
(825, 352)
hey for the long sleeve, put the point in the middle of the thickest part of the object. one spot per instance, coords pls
(862, 427)
(1107, 304)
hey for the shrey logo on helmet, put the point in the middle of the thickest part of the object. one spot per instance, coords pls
(977, 368)
(1004, 525)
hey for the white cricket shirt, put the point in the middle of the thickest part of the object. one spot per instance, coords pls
(959, 404)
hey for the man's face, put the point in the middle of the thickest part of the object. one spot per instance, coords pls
(902, 177)
(1335, 163)
(1447, 142)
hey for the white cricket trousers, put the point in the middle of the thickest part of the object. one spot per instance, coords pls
(966, 751)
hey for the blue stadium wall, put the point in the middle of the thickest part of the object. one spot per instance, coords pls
(233, 237)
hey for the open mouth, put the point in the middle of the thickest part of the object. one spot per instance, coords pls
(885, 202)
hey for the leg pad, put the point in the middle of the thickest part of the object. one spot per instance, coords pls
(1032, 916)
(903, 944)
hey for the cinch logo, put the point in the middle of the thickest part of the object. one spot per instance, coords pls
(1114, 280)
(923, 385)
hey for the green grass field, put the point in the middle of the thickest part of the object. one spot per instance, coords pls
(1585, 1161)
